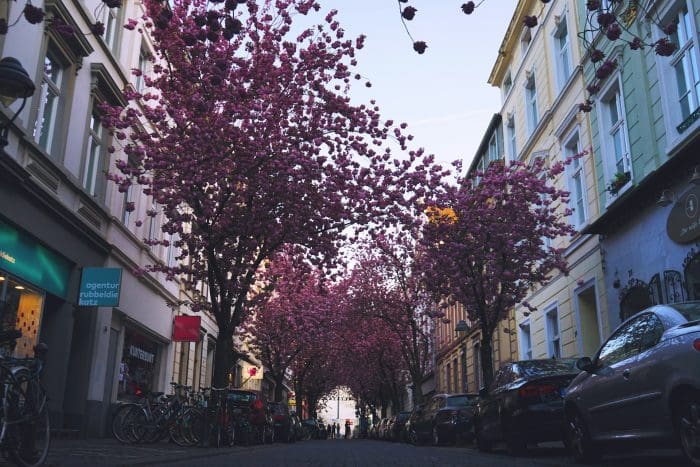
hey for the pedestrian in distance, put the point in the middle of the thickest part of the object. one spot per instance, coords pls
(347, 429)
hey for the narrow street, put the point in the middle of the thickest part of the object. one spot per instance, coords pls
(361, 453)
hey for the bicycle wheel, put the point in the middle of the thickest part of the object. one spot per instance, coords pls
(27, 417)
(192, 426)
(123, 423)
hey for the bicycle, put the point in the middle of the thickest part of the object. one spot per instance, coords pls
(24, 427)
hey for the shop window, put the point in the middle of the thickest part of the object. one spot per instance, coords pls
(137, 369)
(691, 269)
(21, 308)
(675, 289)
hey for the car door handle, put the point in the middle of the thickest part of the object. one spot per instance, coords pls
(626, 374)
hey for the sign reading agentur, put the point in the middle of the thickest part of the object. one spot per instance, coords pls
(100, 287)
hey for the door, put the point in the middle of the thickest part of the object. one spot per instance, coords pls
(606, 393)
(648, 376)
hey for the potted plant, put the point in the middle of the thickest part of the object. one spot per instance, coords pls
(619, 180)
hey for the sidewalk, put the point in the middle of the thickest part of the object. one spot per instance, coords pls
(109, 452)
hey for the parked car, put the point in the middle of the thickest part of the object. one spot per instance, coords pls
(297, 427)
(643, 385)
(408, 434)
(524, 404)
(282, 422)
(254, 420)
(444, 418)
(396, 428)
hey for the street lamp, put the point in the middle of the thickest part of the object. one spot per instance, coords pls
(14, 84)
(461, 329)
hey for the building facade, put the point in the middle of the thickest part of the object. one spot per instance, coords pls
(646, 139)
(541, 82)
(59, 215)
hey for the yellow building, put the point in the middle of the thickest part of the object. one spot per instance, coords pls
(541, 81)
(458, 359)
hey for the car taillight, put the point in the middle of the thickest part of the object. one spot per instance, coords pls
(536, 390)
(257, 405)
(696, 344)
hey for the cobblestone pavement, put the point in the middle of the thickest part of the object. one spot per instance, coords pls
(338, 453)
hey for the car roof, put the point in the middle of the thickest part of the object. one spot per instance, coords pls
(667, 310)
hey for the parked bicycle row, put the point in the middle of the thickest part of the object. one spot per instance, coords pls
(24, 415)
(211, 417)
(640, 389)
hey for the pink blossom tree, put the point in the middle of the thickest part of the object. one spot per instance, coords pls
(489, 242)
(247, 142)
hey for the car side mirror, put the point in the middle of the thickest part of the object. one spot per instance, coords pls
(483, 392)
(585, 364)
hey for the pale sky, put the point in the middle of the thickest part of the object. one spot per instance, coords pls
(443, 94)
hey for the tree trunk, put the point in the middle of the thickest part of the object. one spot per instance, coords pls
(417, 392)
(223, 359)
(486, 349)
(279, 389)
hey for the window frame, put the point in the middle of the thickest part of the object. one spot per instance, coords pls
(512, 138)
(670, 101)
(613, 87)
(56, 127)
(574, 170)
(531, 105)
(94, 138)
(554, 350)
(563, 75)
(525, 351)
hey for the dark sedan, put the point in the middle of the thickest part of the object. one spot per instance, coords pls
(444, 418)
(642, 387)
(396, 428)
(524, 404)
(284, 430)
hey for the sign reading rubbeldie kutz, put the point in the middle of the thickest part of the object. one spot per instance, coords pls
(100, 287)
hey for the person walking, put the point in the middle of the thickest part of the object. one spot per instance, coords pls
(347, 429)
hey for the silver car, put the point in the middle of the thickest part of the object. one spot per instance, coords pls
(642, 385)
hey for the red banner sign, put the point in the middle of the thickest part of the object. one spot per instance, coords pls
(186, 328)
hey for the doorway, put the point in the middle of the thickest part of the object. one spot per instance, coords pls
(588, 321)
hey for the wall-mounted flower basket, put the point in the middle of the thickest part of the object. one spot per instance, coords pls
(619, 180)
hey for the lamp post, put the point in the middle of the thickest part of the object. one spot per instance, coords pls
(14, 84)
(461, 329)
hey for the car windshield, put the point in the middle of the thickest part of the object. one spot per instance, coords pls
(690, 311)
(532, 368)
(461, 401)
(240, 396)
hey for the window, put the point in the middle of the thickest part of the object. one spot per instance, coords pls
(448, 376)
(494, 152)
(684, 63)
(143, 68)
(173, 250)
(50, 102)
(94, 158)
(110, 19)
(455, 375)
(152, 225)
(562, 49)
(625, 343)
(553, 339)
(463, 365)
(614, 134)
(510, 134)
(525, 341)
(577, 181)
(531, 103)
(128, 198)
(507, 85)
(525, 41)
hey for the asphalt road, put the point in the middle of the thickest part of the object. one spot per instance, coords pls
(332, 453)
(364, 453)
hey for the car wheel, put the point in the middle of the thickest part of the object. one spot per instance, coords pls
(687, 419)
(413, 438)
(583, 448)
(482, 444)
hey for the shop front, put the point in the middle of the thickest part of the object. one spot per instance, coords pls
(651, 241)
(138, 367)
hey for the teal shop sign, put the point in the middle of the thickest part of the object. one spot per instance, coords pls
(100, 287)
(28, 260)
